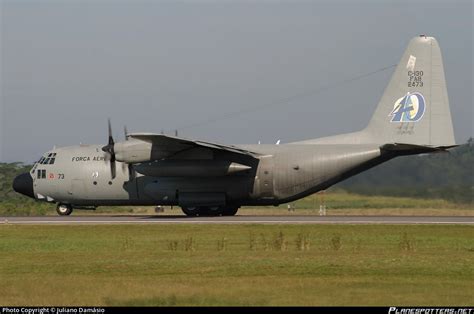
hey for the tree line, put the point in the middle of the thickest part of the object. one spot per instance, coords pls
(448, 175)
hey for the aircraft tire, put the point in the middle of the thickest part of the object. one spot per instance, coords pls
(230, 211)
(211, 211)
(191, 211)
(64, 209)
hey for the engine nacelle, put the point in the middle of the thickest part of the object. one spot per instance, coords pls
(134, 151)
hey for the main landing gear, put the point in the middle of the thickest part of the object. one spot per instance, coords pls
(64, 209)
(210, 210)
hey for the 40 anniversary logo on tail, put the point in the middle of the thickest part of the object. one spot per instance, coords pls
(409, 108)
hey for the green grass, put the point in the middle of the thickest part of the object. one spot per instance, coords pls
(339, 199)
(236, 265)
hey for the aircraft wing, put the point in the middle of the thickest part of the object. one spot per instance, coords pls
(169, 146)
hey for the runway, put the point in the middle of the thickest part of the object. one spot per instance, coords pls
(239, 219)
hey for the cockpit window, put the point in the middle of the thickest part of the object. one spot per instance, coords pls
(34, 168)
(47, 160)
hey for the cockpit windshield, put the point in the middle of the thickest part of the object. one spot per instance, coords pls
(48, 159)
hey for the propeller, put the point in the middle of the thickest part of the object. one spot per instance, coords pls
(125, 132)
(109, 148)
(125, 166)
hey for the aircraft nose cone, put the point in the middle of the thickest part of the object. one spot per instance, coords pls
(24, 184)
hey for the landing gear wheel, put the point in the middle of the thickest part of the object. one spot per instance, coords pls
(213, 211)
(64, 209)
(191, 211)
(230, 211)
(210, 211)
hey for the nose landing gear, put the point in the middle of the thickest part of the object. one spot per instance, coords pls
(64, 209)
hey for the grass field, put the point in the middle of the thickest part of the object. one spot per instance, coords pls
(237, 265)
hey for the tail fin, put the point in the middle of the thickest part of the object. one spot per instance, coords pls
(414, 108)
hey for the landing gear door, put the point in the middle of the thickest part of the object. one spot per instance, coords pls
(265, 177)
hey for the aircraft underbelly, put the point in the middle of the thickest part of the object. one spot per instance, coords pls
(172, 190)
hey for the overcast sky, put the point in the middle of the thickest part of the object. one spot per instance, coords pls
(66, 66)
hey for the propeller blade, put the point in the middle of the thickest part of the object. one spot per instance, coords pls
(131, 172)
(111, 139)
(113, 170)
(125, 132)
(109, 149)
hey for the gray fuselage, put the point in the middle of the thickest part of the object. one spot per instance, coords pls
(80, 175)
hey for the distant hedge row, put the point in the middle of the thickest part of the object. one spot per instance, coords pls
(443, 175)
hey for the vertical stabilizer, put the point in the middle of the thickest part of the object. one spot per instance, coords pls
(414, 108)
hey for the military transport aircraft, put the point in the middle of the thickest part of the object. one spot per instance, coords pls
(204, 178)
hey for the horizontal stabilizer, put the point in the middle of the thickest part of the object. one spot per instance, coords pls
(409, 149)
